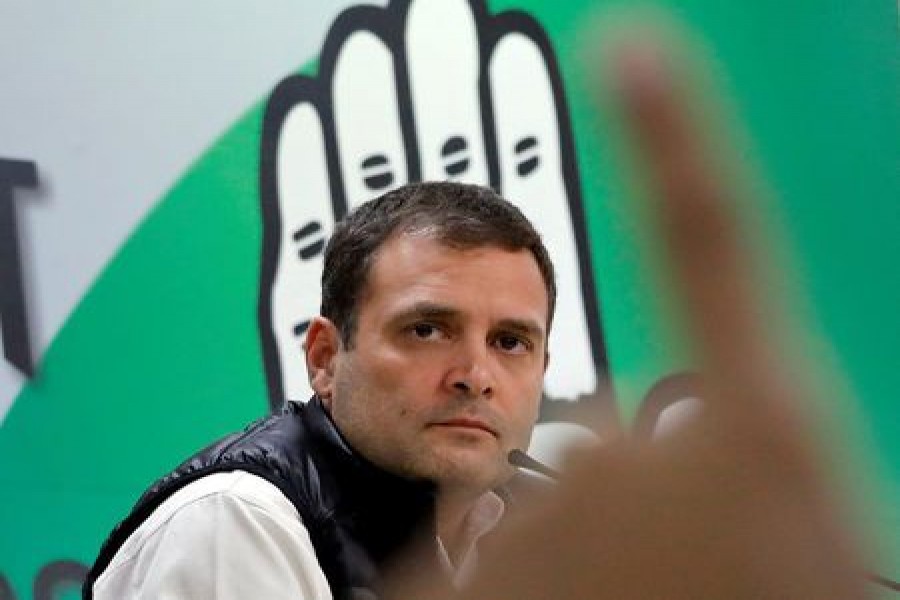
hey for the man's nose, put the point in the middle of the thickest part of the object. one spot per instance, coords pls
(472, 374)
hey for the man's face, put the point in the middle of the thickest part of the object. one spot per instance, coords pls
(445, 374)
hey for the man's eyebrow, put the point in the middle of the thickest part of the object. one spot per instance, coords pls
(426, 310)
(523, 326)
(432, 310)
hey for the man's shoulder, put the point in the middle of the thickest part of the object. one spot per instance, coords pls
(204, 503)
(222, 527)
(266, 448)
(235, 486)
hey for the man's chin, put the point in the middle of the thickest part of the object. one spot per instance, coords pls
(470, 470)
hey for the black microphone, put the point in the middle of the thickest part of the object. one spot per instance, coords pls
(518, 458)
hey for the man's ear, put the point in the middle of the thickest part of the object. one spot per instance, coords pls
(323, 342)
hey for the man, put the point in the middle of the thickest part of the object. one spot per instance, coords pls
(736, 504)
(427, 363)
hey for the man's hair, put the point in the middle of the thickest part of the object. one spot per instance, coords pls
(460, 216)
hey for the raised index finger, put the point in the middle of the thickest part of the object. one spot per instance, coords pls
(693, 199)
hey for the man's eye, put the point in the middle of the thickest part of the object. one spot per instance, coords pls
(512, 343)
(424, 330)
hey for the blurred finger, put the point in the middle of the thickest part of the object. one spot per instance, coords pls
(694, 202)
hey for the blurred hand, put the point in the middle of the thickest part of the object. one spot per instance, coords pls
(734, 504)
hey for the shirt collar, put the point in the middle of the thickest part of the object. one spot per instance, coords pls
(481, 519)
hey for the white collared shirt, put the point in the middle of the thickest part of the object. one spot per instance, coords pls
(235, 535)
(481, 519)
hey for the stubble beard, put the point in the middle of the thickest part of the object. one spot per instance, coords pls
(418, 453)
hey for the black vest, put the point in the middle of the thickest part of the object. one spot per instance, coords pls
(358, 516)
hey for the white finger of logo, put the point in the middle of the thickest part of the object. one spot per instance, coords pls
(367, 120)
(307, 221)
(442, 51)
(528, 145)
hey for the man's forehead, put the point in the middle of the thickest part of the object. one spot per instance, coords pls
(422, 252)
(406, 258)
(432, 289)
(429, 238)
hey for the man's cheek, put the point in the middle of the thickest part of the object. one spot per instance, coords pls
(522, 428)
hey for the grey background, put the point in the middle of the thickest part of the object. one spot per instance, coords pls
(112, 117)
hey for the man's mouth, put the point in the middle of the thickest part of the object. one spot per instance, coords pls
(467, 423)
